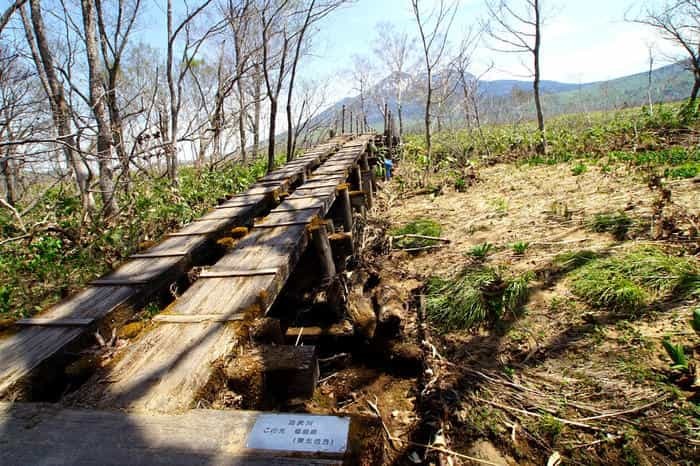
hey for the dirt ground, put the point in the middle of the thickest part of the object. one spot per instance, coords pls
(559, 382)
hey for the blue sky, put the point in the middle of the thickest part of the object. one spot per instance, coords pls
(583, 40)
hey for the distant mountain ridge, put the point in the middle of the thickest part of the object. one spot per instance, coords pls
(511, 100)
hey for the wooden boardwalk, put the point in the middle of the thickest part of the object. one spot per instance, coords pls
(110, 300)
(143, 408)
(170, 367)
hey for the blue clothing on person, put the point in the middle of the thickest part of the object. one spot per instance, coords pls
(388, 165)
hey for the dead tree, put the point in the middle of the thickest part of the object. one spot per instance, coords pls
(516, 27)
(275, 46)
(316, 11)
(678, 21)
(9, 11)
(434, 29)
(97, 104)
(175, 80)
(60, 110)
(114, 34)
(395, 48)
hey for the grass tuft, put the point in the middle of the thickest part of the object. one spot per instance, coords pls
(635, 279)
(420, 226)
(568, 261)
(476, 296)
(480, 251)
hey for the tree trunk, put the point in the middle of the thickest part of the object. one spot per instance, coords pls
(696, 88)
(171, 144)
(428, 142)
(257, 110)
(271, 136)
(60, 112)
(7, 175)
(240, 68)
(542, 146)
(97, 102)
(400, 108)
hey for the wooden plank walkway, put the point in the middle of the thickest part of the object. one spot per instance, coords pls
(111, 299)
(170, 367)
(43, 434)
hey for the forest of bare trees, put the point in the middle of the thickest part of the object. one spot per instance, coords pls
(87, 98)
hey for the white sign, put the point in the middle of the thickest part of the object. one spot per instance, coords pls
(300, 433)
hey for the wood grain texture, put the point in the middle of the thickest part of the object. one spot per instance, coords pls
(43, 434)
(23, 352)
(169, 368)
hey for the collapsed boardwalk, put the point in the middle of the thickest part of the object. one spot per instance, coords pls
(158, 377)
(166, 369)
(38, 347)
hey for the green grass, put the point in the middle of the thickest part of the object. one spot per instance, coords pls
(420, 226)
(618, 224)
(579, 169)
(636, 279)
(476, 296)
(39, 271)
(568, 261)
(481, 251)
(630, 136)
(520, 247)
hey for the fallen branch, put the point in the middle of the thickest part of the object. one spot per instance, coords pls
(530, 413)
(627, 411)
(413, 235)
(393, 439)
(424, 248)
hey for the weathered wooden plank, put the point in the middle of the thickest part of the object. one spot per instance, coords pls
(43, 434)
(219, 272)
(158, 255)
(24, 352)
(64, 322)
(168, 368)
(196, 319)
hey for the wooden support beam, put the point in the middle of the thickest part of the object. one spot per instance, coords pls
(357, 200)
(343, 196)
(319, 235)
(367, 185)
(357, 175)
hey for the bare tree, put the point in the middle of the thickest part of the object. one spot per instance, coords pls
(678, 21)
(97, 103)
(114, 34)
(275, 45)
(395, 49)
(60, 110)
(175, 80)
(516, 26)
(9, 11)
(434, 29)
(362, 74)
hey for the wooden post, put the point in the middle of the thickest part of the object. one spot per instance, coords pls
(386, 113)
(357, 174)
(350, 121)
(343, 120)
(345, 207)
(389, 136)
(357, 200)
(319, 235)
